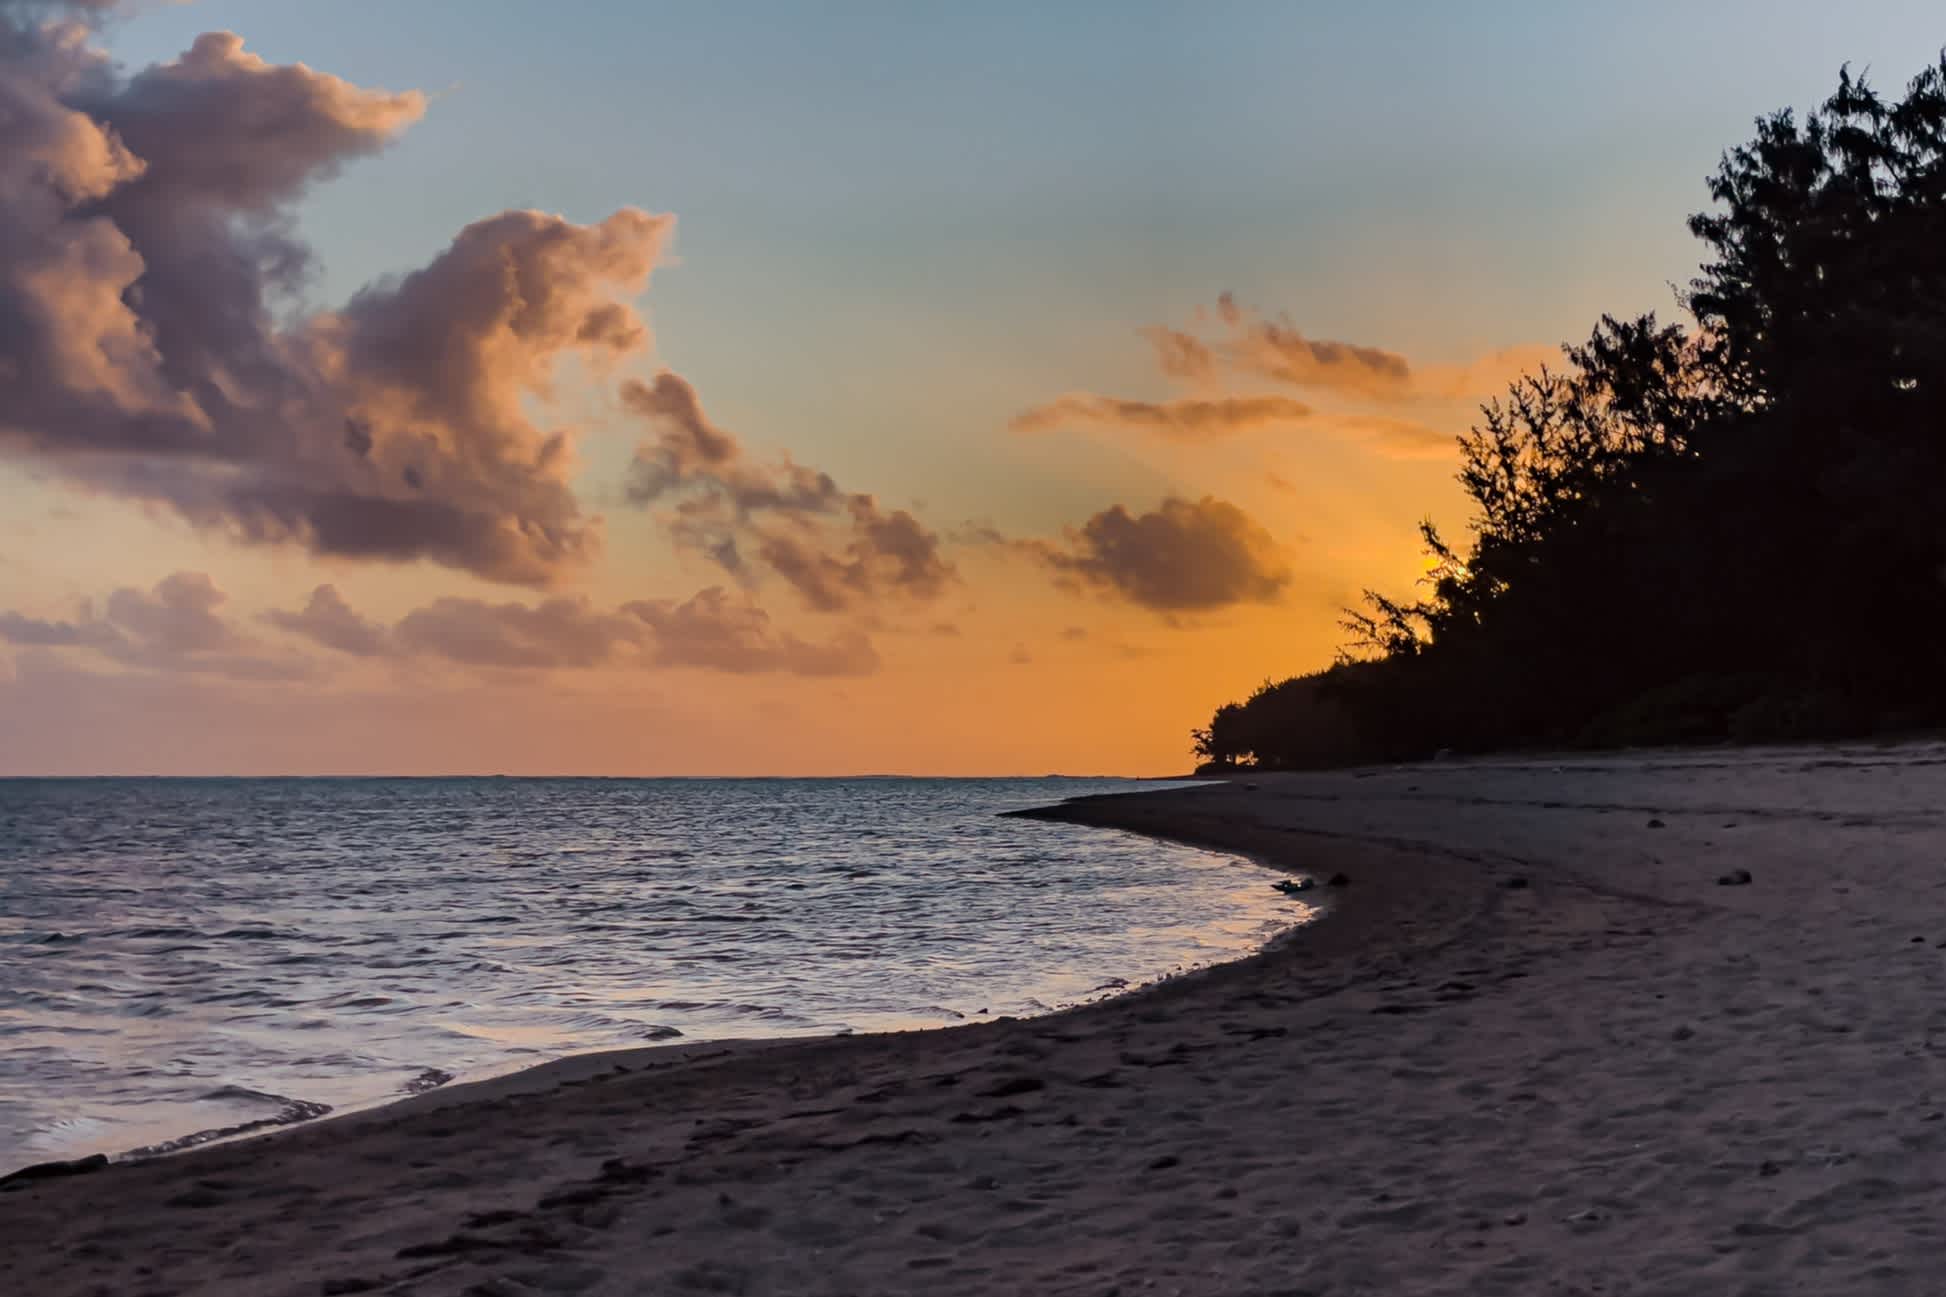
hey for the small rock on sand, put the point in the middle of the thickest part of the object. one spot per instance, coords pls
(1735, 878)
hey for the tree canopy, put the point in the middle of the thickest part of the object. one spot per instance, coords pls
(1732, 527)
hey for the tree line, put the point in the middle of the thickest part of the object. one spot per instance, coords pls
(1730, 527)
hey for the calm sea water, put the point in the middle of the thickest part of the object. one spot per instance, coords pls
(187, 956)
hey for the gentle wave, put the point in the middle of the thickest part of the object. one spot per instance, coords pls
(187, 960)
(288, 1112)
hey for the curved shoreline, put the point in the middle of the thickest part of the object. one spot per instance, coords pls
(581, 1113)
(1537, 1047)
(148, 1140)
(580, 1068)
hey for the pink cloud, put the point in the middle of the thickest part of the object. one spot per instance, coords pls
(148, 349)
(712, 630)
(837, 550)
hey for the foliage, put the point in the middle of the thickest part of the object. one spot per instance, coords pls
(1730, 528)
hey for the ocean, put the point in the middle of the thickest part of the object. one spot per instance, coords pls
(185, 957)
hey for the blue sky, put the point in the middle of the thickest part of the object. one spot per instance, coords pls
(1098, 161)
(900, 221)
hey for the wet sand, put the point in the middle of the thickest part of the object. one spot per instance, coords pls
(1536, 1047)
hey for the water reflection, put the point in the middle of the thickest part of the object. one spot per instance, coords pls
(171, 949)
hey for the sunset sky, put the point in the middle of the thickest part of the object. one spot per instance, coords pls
(599, 387)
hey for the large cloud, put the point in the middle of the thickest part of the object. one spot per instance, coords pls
(1187, 419)
(712, 630)
(1184, 556)
(149, 344)
(176, 626)
(837, 549)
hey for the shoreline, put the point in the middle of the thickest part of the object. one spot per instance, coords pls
(579, 1067)
(1353, 915)
(1536, 1047)
(305, 1055)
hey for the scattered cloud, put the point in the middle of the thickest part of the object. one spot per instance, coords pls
(175, 626)
(1187, 419)
(1245, 342)
(328, 620)
(688, 454)
(179, 626)
(1184, 556)
(1181, 355)
(713, 630)
(150, 346)
(837, 550)
(716, 630)
(1252, 343)
(1275, 349)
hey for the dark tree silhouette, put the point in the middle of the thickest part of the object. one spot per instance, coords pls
(1733, 528)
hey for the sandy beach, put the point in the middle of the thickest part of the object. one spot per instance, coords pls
(1537, 1046)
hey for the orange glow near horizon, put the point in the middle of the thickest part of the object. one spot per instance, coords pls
(346, 428)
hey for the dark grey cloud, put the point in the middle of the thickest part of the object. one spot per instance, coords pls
(1184, 556)
(151, 345)
(882, 554)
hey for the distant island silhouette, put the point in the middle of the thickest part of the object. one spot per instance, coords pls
(1729, 528)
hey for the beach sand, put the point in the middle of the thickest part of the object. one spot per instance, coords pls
(1536, 1047)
